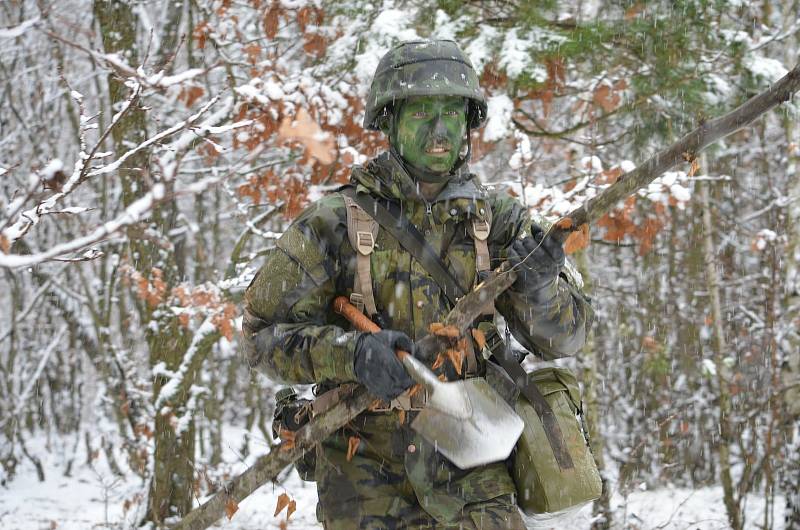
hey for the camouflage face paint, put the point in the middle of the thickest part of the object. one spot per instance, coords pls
(429, 131)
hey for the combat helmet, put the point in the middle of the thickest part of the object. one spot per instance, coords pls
(424, 68)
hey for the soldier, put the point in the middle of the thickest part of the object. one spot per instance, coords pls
(425, 97)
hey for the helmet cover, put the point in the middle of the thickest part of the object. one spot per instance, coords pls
(424, 68)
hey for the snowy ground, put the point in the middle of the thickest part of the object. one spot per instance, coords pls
(92, 498)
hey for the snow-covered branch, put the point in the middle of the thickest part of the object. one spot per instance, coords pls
(134, 213)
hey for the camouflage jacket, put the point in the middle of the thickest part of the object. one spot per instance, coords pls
(290, 331)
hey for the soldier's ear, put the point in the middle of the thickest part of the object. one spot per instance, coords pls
(384, 120)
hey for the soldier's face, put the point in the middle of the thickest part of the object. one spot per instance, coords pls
(430, 131)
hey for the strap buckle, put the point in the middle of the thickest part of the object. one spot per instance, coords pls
(480, 229)
(365, 243)
(357, 299)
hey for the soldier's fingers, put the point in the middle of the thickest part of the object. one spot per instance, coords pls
(554, 249)
(514, 255)
(530, 245)
(403, 342)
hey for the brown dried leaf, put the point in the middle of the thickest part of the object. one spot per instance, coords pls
(283, 502)
(352, 446)
(4, 244)
(438, 362)
(565, 223)
(401, 416)
(271, 19)
(304, 129)
(437, 328)
(456, 358)
(190, 94)
(291, 509)
(577, 240)
(287, 439)
(605, 98)
(200, 33)
(634, 11)
(480, 338)
(650, 344)
(231, 507)
(609, 176)
(694, 168)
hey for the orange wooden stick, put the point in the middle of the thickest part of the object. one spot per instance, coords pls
(359, 320)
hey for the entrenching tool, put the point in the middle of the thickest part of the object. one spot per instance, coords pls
(467, 420)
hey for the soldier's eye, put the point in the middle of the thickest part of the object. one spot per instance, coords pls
(451, 113)
(420, 114)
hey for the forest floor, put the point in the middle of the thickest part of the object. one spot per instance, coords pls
(93, 498)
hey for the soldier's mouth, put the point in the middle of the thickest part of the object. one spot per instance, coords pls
(438, 150)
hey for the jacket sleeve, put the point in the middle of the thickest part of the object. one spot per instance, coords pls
(287, 328)
(556, 325)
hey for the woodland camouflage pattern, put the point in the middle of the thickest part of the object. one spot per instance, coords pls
(292, 334)
(424, 68)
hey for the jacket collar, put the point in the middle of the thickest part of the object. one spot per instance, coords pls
(385, 176)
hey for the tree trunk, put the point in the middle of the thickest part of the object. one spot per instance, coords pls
(790, 369)
(602, 507)
(170, 493)
(732, 502)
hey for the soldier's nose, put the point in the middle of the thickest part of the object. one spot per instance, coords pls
(439, 129)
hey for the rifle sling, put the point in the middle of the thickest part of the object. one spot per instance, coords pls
(391, 218)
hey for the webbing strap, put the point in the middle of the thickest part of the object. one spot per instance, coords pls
(480, 235)
(479, 230)
(391, 218)
(362, 230)
(529, 389)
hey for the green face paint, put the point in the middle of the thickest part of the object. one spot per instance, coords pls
(429, 131)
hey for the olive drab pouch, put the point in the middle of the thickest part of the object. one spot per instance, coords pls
(542, 485)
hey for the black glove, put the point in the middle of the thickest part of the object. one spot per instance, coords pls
(378, 368)
(543, 259)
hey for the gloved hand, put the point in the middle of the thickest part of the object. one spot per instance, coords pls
(537, 260)
(376, 365)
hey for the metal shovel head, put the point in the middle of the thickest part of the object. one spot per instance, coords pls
(469, 423)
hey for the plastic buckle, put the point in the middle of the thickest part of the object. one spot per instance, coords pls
(357, 299)
(480, 229)
(365, 243)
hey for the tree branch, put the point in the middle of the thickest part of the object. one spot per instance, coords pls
(685, 149)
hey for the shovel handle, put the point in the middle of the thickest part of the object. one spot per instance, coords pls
(359, 320)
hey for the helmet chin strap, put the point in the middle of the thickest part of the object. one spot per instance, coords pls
(422, 174)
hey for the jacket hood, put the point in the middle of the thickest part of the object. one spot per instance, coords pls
(385, 176)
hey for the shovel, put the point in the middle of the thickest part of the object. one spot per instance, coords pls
(467, 421)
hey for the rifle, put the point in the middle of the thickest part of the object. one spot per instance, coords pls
(468, 308)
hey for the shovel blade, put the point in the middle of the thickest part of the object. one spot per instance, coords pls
(471, 425)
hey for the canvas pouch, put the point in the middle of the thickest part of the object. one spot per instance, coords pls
(543, 487)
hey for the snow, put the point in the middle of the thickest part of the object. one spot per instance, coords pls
(770, 70)
(16, 31)
(389, 28)
(499, 123)
(523, 156)
(174, 383)
(515, 55)
(709, 367)
(164, 81)
(479, 50)
(447, 28)
(92, 497)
